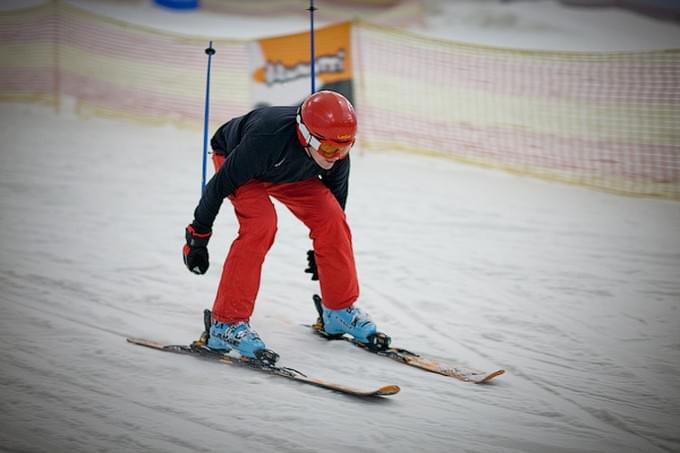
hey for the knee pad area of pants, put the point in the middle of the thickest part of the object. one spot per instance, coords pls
(259, 231)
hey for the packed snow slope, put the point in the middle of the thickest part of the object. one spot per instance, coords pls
(574, 292)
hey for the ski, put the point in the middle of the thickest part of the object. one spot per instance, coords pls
(198, 349)
(380, 345)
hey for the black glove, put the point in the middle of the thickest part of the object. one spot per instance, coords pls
(311, 265)
(195, 251)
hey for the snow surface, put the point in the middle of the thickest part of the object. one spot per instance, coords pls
(546, 25)
(576, 293)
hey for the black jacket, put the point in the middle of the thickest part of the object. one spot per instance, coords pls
(263, 145)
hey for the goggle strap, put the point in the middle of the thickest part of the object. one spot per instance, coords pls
(309, 138)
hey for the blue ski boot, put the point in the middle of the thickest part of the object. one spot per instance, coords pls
(349, 320)
(239, 336)
(333, 324)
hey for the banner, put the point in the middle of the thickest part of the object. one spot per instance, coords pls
(280, 66)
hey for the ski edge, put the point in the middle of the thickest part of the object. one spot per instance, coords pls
(464, 374)
(386, 390)
(153, 344)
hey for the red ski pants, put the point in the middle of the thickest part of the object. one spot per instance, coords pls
(314, 204)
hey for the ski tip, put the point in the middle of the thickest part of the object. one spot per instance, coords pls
(145, 342)
(490, 376)
(388, 390)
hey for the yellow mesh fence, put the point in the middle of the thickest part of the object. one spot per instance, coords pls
(28, 55)
(116, 68)
(604, 120)
(608, 120)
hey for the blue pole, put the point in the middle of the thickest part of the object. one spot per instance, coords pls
(210, 52)
(311, 10)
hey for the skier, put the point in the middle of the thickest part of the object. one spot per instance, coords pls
(299, 156)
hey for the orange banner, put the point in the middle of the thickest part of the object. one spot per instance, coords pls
(281, 65)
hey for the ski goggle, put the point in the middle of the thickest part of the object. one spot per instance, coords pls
(327, 149)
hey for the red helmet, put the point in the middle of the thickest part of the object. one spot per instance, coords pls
(326, 121)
